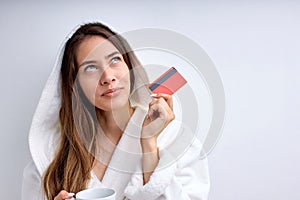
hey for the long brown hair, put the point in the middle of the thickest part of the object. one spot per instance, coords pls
(71, 166)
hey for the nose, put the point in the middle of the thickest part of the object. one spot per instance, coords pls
(107, 77)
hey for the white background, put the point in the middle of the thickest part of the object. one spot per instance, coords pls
(255, 46)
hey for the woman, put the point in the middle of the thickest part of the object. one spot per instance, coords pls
(97, 126)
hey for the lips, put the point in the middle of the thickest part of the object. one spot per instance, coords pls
(111, 92)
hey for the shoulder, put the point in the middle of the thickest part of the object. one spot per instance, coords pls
(30, 170)
(32, 183)
(43, 147)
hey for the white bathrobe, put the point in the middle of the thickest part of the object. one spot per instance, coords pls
(180, 174)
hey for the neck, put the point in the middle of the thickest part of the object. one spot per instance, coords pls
(113, 122)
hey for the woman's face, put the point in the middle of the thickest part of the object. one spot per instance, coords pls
(103, 74)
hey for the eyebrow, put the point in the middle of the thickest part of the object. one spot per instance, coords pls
(112, 54)
(93, 61)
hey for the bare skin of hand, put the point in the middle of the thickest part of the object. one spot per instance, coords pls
(160, 114)
(64, 195)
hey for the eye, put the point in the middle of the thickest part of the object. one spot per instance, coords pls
(115, 60)
(90, 68)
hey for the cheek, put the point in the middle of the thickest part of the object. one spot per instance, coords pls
(125, 79)
(88, 87)
(124, 75)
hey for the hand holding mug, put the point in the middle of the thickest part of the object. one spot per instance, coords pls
(88, 194)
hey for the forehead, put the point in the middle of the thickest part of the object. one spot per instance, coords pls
(94, 48)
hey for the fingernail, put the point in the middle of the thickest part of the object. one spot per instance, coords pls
(71, 194)
(153, 95)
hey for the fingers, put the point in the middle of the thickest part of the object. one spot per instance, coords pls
(160, 114)
(158, 109)
(162, 107)
(165, 103)
(166, 97)
(64, 195)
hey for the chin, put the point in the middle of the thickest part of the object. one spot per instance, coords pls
(116, 104)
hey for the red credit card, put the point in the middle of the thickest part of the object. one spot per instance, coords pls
(168, 83)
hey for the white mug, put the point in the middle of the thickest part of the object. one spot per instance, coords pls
(96, 194)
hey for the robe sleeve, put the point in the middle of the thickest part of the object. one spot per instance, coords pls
(185, 179)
